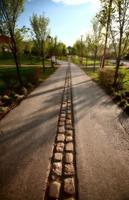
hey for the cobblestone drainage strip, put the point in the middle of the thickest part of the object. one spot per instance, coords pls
(62, 180)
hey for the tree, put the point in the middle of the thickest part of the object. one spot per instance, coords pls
(9, 13)
(40, 33)
(79, 47)
(105, 19)
(95, 41)
(120, 32)
(28, 46)
(61, 49)
(71, 50)
(87, 49)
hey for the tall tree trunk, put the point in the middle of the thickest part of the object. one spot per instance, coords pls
(52, 64)
(16, 59)
(118, 60)
(43, 63)
(107, 33)
(116, 72)
(100, 62)
(43, 58)
(86, 62)
(95, 56)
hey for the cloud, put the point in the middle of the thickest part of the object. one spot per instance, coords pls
(75, 2)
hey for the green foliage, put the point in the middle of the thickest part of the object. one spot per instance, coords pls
(79, 47)
(117, 97)
(9, 13)
(40, 30)
(123, 103)
(30, 75)
(40, 33)
(127, 108)
(106, 77)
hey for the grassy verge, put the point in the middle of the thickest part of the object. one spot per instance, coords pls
(11, 92)
(88, 62)
(95, 76)
(105, 80)
(7, 59)
(63, 58)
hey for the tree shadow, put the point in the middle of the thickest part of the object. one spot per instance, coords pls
(34, 132)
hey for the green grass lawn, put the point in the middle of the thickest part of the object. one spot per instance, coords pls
(76, 60)
(89, 62)
(105, 79)
(93, 74)
(64, 58)
(25, 60)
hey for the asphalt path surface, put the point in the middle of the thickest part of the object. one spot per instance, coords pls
(26, 138)
(102, 142)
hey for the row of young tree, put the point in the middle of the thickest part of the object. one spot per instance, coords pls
(41, 42)
(109, 37)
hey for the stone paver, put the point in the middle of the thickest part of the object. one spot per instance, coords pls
(69, 186)
(54, 189)
(68, 157)
(60, 147)
(61, 129)
(69, 146)
(69, 170)
(58, 156)
(57, 168)
(61, 138)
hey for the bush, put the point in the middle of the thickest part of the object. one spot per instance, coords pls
(127, 109)
(117, 97)
(29, 75)
(7, 100)
(33, 76)
(127, 94)
(121, 77)
(123, 103)
(4, 110)
(106, 77)
(9, 79)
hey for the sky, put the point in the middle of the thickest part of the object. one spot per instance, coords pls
(69, 19)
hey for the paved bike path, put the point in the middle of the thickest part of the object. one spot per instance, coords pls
(26, 137)
(102, 144)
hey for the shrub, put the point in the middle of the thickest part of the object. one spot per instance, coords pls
(127, 94)
(9, 79)
(117, 97)
(33, 76)
(106, 77)
(120, 80)
(4, 110)
(7, 100)
(127, 109)
(123, 103)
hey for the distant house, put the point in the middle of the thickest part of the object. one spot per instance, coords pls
(4, 43)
